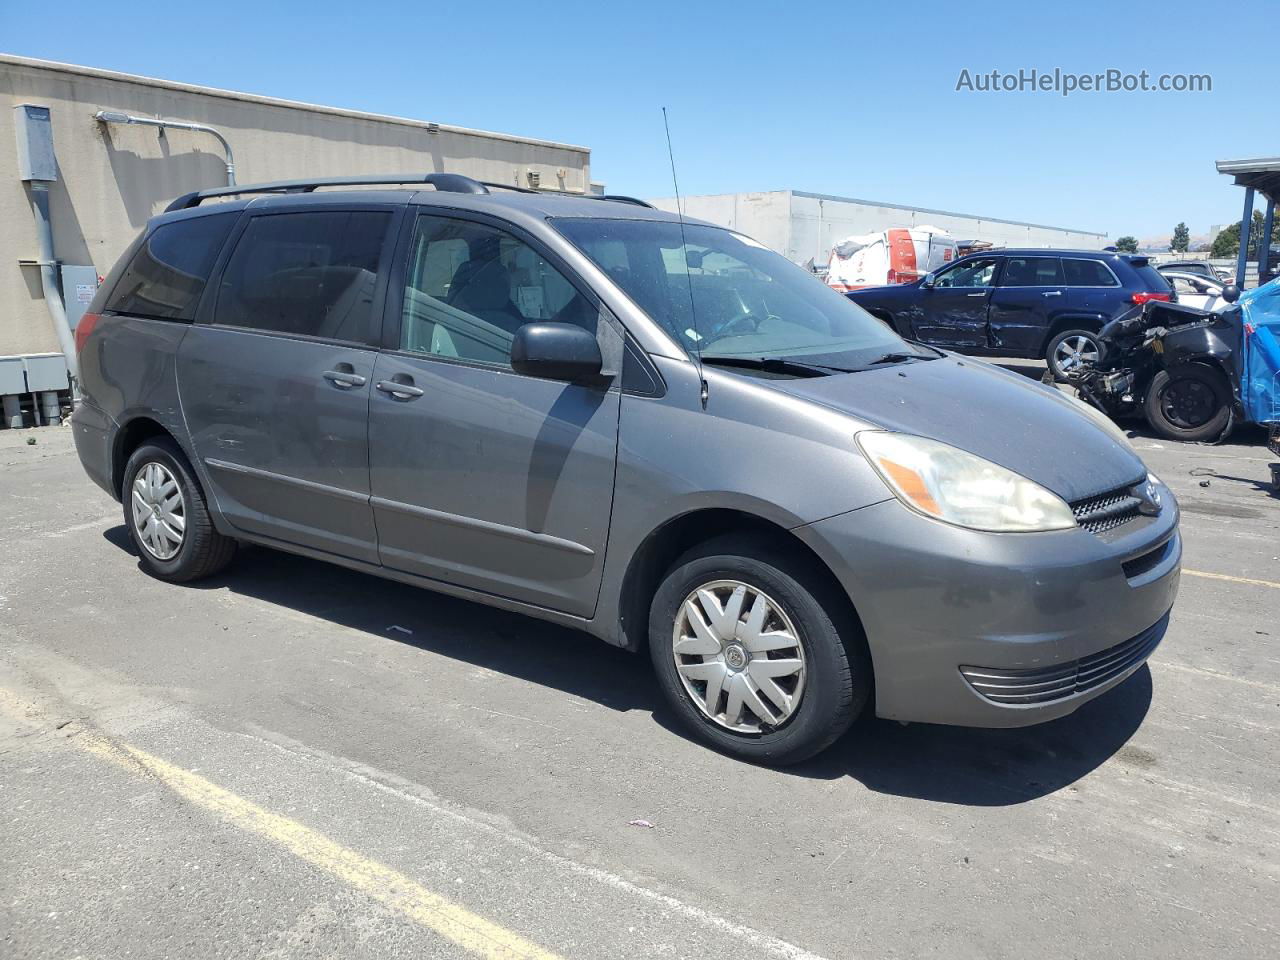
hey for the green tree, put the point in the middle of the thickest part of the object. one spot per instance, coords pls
(1181, 238)
(1227, 242)
(1127, 244)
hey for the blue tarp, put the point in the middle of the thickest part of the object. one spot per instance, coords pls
(1261, 382)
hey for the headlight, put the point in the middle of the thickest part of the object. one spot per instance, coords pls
(948, 484)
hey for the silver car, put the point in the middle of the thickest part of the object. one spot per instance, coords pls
(656, 431)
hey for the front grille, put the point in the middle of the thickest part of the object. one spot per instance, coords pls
(1062, 680)
(1107, 511)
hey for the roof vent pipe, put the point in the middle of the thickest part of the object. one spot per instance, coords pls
(112, 116)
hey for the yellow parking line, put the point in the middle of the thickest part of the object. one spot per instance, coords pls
(389, 887)
(1223, 576)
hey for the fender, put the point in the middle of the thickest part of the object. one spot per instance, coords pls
(1093, 322)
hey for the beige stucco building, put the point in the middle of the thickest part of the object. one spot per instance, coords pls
(111, 177)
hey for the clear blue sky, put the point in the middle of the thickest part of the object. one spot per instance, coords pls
(762, 96)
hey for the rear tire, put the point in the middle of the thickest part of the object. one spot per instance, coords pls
(805, 623)
(1190, 402)
(1071, 350)
(167, 517)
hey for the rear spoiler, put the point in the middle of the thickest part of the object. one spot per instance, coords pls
(1137, 261)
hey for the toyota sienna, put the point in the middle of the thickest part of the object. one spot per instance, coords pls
(654, 430)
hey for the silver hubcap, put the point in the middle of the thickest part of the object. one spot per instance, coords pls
(1074, 354)
(159, 513)
(739, 656)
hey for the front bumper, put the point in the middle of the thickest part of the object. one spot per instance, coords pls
(1040, 622)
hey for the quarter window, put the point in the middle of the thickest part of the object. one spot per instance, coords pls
(166, 276)
(1088, 273)
(1032, 272)
(973, 273)
(1184, 287)
(308, 274)
(470, 287)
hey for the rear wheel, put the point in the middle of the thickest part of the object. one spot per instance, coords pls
(1071, 353)
(1190, 402)
(168, 521)
(757, 656)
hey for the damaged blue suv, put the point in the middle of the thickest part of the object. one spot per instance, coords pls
(1033, 303)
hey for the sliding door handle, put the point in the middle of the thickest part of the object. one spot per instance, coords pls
(344, 379)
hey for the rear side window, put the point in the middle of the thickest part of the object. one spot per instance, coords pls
(1088, 273)
(168, 272)
(1032, 272)
(310, 274)
(1151, 279)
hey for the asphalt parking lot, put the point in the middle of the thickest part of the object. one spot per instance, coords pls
(292, 760)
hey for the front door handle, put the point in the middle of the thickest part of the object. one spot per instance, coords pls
(1052, 293)
(345, 379)
(982, 294)
(401, 391)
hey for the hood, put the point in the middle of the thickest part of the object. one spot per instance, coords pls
(1021, 425)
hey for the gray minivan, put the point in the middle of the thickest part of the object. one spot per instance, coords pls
(654, 430)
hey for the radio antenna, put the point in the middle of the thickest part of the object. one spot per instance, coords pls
(684, 244)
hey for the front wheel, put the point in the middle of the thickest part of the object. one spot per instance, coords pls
(756, 653)
(1191, 402)
(1072, 353)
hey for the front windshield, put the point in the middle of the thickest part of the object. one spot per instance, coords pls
(728, 296)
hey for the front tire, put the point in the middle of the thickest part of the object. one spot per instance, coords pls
(758, 657)
(1071, 352)
(1191, 403)
(167, 517)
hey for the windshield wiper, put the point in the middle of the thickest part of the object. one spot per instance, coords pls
(897, 357)
(795, 368)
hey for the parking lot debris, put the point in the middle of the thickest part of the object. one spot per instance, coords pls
(399, 629)
(640, 823)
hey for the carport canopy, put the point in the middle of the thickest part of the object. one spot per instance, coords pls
(1261, 175)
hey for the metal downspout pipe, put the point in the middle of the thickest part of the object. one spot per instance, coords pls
(49, 282)
(111, 116)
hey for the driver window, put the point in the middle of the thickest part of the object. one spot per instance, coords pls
(975, 273)
(470, 286)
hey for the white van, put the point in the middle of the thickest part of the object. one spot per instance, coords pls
(888, 257)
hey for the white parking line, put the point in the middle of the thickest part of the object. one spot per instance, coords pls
(760, 943)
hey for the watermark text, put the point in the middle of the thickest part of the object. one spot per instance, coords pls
(1065, 83)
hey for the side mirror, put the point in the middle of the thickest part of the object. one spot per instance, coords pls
(1231, 293)
(927, 281)
(556, 351)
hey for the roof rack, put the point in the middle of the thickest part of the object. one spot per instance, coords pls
(448, 182)
(617, 197)
(624, 199)
(445, 182)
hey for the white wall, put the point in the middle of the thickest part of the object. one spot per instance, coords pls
(112, 178)
(800, 225)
